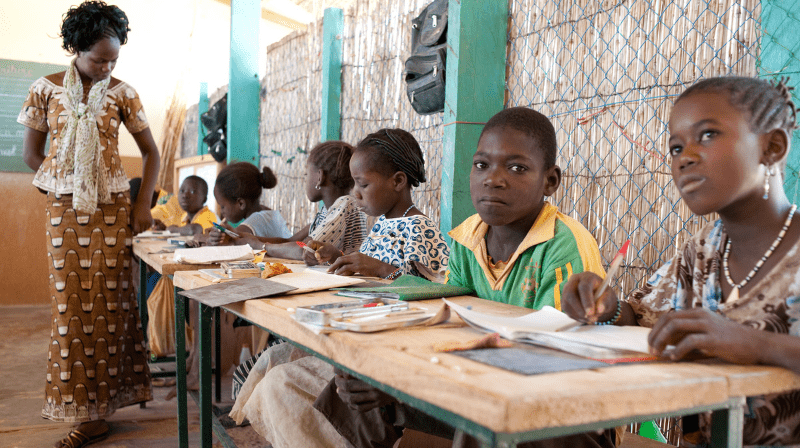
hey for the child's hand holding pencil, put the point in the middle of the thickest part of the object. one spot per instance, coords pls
(588, 298)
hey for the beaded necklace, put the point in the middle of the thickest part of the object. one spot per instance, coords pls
(734, 295)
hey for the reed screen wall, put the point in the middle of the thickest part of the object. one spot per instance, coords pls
(606, 73)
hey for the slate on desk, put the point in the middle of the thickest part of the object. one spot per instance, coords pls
(529, 360)
(225, 293)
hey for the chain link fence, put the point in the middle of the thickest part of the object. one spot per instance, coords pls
(607, 73)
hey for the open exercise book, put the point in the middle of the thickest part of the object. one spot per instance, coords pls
(549, 327)
(213, 254)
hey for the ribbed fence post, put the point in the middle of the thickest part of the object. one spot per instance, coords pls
(475, 90)
(331, 116)
(780, 56)
(243, 86)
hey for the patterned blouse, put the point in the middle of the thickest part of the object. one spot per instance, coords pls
(343, 225)
(44, 111)
(692, 280)
(412, 243)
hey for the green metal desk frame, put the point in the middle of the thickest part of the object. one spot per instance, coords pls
(727, 416)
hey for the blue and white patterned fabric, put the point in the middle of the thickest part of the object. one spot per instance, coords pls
(412, 243)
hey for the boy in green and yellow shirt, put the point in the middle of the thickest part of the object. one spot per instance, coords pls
(517, 249)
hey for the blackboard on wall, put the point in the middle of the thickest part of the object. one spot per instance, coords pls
(16, 78)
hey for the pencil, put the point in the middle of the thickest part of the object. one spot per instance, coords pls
(305, 247)
(612, 272)
(226, 231)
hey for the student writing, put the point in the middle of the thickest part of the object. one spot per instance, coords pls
(517, 249)
(340, 223)
(733, 289)
(237, 191)
(278, 395)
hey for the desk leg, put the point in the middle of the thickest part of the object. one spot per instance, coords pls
(217, 357)
(180, 369)
(206, 313)
(727, 425)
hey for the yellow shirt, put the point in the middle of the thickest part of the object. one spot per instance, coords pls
(205, 217)
(167, 209)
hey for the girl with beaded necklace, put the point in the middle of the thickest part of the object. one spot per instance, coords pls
(385, 166)
(733, 289)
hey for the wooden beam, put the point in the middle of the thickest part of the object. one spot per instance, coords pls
(275, 17)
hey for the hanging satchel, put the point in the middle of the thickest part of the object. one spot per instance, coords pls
(425, 68)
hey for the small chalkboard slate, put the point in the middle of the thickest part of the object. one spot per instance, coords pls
(233, 291)
(530, 360)
(16, 78)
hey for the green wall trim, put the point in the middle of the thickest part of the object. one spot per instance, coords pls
(202, 107)
(475, 90)
(243, 86)
(331, 117)
(780, 57)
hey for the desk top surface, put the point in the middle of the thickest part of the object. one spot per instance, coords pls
(504, 401)
(160, 255)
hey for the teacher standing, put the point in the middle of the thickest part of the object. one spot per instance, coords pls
(96, 359)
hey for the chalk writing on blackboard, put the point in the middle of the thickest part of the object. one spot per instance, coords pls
(15, 79)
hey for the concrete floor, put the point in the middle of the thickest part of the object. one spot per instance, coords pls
(23, 349)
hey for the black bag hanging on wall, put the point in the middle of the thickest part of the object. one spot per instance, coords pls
(425, 67)
(215, 121)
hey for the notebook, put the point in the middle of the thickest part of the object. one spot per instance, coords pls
(551, 328)
(213, 254)
(407, 287)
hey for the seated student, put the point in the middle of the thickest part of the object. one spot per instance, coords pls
(518, 249)
(278, 395)
(340, 222)
(237, 191)
(161, 302)
(197, 217)
(733, 290)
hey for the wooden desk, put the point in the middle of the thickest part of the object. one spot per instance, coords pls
(499, 407)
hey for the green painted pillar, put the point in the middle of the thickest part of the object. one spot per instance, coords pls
(243, 86)
(475, 90)
(202, 107)
(780, 56)
(331, 116)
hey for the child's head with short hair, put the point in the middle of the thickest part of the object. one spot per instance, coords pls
(136, 185)
(514, 168)
(729, 137)
(238, 189)
(385, 166)
(193, 194)
(328, 164)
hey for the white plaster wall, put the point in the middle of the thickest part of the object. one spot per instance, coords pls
(173, 45)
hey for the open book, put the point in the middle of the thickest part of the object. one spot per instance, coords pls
(549, 327)
(213, 254)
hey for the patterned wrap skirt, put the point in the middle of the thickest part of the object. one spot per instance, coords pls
(97, 361)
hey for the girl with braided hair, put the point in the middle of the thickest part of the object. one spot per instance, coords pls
(385, 166)
(733, 290)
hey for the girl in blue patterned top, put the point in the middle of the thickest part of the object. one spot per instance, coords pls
(385, 166)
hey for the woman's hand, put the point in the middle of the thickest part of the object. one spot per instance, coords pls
(359, 395)
(158, 225)
(358, 263)
(708, 333)
(323, 253)
(578, 300)
(141, 219)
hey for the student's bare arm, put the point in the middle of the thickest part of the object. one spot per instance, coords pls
(33, 143)
(713, 335)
